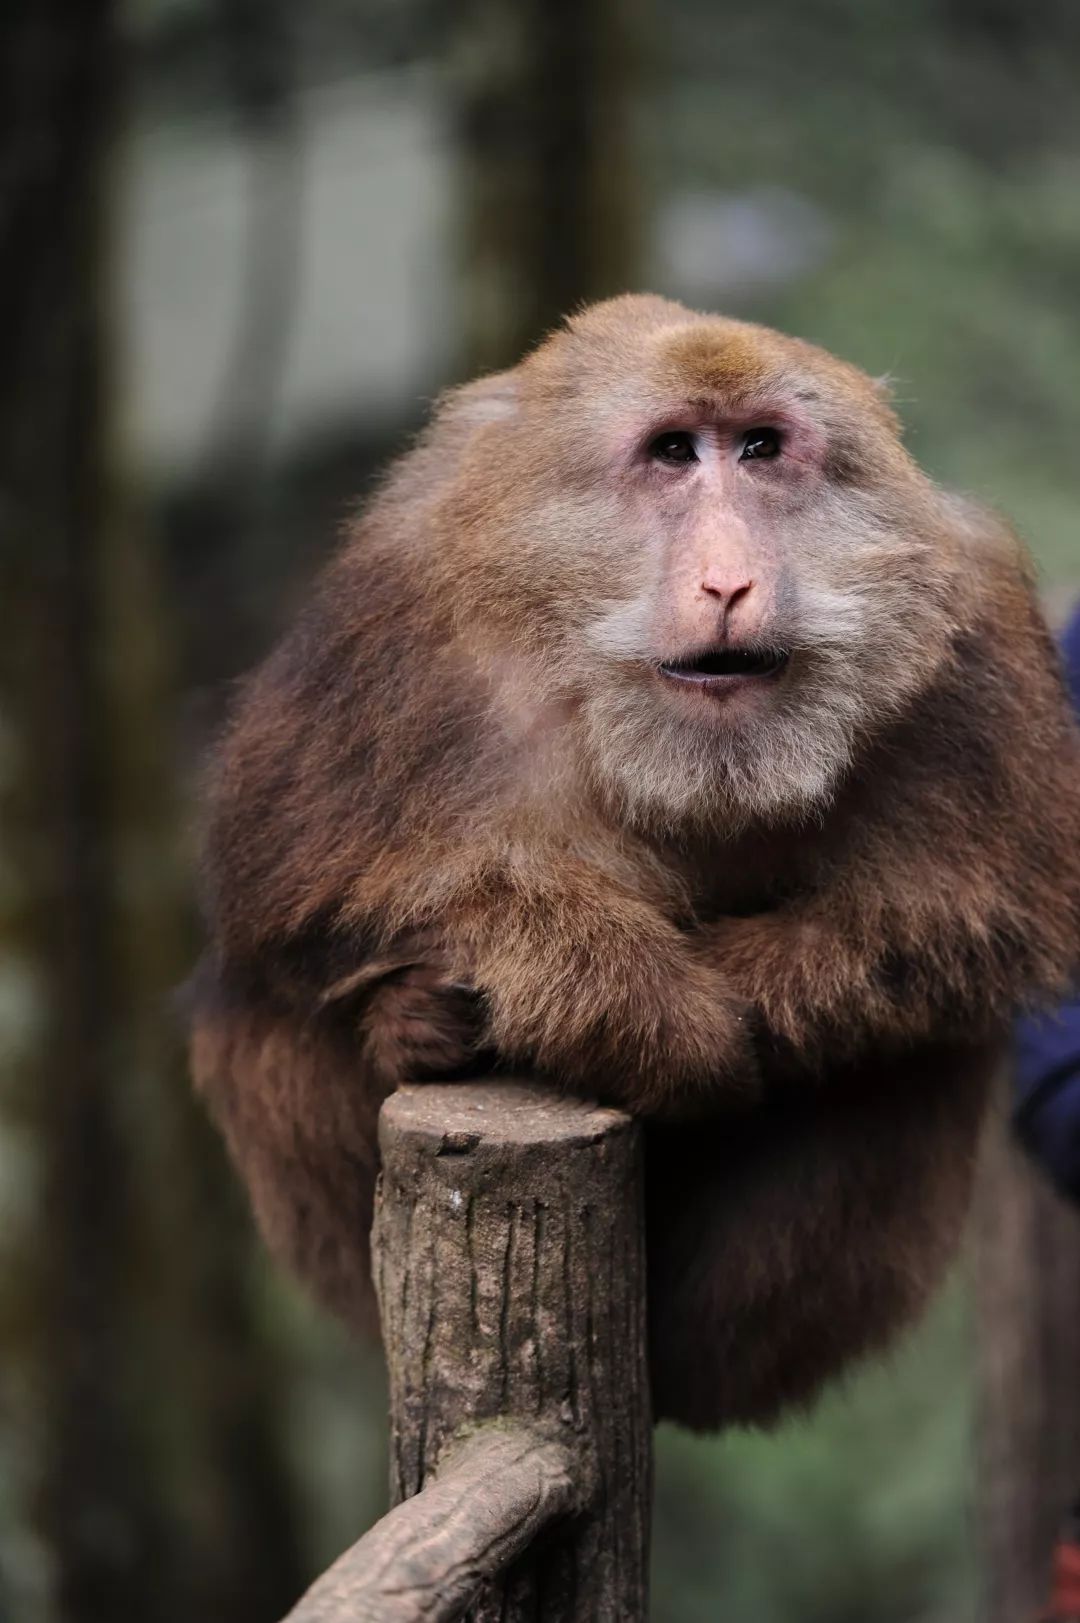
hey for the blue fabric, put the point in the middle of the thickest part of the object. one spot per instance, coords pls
(1070, 648)
(1047, 1047)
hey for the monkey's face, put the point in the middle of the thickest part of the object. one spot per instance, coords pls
(712, 538)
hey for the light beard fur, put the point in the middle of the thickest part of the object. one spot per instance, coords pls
(667, 772)
(862, 647)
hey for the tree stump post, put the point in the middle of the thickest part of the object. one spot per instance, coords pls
(509, 1258)
(510, 1267)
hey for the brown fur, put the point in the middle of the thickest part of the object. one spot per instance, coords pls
(458, 820)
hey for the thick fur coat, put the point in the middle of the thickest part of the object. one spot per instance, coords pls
(473, 812)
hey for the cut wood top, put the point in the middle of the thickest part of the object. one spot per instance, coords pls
(459, 1116)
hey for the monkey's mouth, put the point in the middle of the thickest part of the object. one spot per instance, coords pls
(717, 670)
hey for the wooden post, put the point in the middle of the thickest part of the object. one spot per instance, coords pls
(427, 1557)
(510, 1269)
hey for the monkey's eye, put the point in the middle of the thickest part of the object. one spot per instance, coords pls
(759, 442)
(674, 445)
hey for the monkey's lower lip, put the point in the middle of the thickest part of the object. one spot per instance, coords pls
(720, 669)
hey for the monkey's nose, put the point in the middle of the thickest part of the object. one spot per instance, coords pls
(726, 592)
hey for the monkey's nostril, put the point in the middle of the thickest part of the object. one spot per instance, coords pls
(726, 592)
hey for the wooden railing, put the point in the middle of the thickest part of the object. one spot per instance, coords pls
(509, 1262)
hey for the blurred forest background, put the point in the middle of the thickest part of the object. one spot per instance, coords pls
(242, 244)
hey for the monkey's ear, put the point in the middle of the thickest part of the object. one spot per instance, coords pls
(493, 399)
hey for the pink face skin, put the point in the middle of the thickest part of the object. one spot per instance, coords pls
(724, 486)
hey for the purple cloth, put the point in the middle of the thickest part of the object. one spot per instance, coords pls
(1047, 1047)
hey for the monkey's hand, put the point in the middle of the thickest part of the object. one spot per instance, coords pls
(796, 974)
(824, 987)
(422, 1025)
(419, 1019)
(594, 986)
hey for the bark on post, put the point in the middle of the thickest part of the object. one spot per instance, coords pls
(510, 1269)
(428, 1557)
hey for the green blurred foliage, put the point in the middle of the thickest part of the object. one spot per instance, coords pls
(860, 1511)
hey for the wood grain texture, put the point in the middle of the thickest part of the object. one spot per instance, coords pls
(427, 1558)
(510, 1271)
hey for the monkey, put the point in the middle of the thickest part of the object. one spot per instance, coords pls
(661, 730)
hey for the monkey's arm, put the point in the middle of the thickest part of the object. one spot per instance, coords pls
(825, 983)
(593, 985)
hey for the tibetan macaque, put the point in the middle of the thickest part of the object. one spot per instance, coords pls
(661, 729)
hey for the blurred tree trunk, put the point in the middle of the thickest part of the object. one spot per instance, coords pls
(552, 191)
(1028, 1296)
(148, 1429)
(101, 1525)
(216, 527)
(99, 1518)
